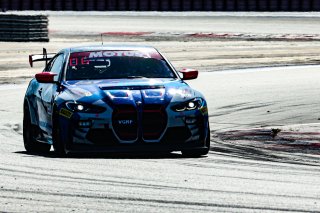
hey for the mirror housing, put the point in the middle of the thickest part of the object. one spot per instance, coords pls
(189, 74)
(45, 77)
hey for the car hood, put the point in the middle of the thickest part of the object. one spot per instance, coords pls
(127, 91)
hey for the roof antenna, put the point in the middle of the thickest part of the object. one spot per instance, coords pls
(101, 39)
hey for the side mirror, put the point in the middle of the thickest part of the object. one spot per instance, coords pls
(45, 77)
(189, 74)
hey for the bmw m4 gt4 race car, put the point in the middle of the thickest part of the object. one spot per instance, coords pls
(113, 99)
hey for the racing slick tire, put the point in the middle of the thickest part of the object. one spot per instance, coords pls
(198, 153)
(58, 144)
(29, 136)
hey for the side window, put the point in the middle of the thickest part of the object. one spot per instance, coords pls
(56, 65)
(49, 65)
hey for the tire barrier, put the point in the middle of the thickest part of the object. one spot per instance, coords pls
(162, 5)
(23, 28)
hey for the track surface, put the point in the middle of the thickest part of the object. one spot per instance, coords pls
(229, 179)
(220, 41)
(98, 22)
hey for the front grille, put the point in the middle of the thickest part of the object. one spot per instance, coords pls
(125, 122)
(154, 121)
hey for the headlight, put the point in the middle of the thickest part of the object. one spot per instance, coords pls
(83, 107)
(188, 105)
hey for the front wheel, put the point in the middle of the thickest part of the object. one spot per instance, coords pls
(198, 153)
(58, 143)
(29, 136)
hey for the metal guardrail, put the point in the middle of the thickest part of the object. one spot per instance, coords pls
(162, 5)
(23, 28)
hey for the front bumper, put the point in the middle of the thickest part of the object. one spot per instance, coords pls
(133, 148)
(183, 131)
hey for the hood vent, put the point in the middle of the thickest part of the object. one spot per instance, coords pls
(142, 87)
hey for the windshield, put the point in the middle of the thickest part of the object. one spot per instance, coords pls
(117, 64)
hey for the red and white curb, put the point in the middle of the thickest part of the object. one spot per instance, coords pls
(208, 35)
(286, 138)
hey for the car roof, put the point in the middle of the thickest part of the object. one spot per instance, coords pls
(107, 47)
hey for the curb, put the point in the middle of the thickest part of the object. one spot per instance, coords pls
(208, 35)
(284, 138)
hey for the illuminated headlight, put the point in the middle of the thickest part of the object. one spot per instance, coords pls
(188, 105)
(82, 107)
(79, 107)
(191, 105)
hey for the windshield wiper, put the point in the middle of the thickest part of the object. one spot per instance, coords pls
(135, 76)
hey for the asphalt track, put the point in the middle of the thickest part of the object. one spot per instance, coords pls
(75, 23)
(227, 180)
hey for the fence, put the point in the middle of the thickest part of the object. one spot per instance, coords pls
(23, 28)
(162, 5)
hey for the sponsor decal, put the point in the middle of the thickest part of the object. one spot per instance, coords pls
(86, 57)
(65, 113)
(204, 110)
(125, 122)
(81, 58)
(102, 54)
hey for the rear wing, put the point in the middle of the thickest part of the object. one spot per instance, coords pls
(41, 57)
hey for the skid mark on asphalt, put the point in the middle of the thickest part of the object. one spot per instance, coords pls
(159, 201)
(271, 144)
(16, 127)
(236, 108)
(233, 105)
(275, 136)
(73, 188)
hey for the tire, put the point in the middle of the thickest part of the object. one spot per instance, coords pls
(29, 136)
(198, 153)
(58, 143)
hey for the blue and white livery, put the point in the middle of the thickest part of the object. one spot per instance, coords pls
(113, 99)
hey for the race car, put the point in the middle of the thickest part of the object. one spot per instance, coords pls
(115, 98)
